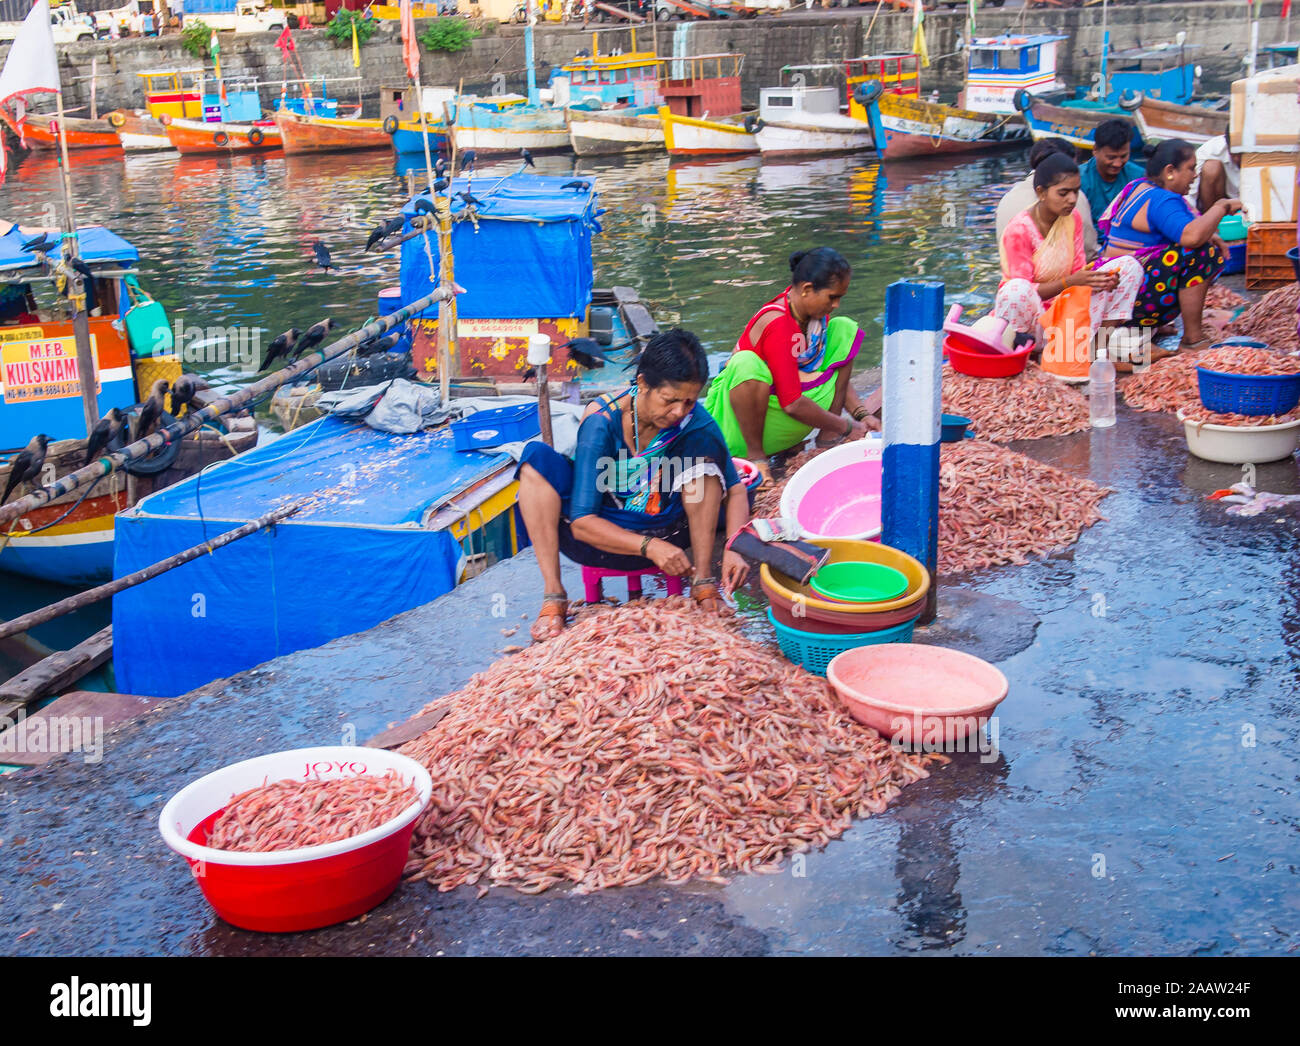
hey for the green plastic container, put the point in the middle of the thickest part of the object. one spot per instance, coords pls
(1233, 227)
(147, 328)
(855, 582)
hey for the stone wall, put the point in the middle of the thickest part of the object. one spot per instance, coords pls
(496, 60)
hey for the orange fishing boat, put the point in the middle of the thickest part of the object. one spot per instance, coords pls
(195, 137)
(320, 134)
(41, 131)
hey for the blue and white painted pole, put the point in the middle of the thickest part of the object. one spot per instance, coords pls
(529, 22)
(913, 361)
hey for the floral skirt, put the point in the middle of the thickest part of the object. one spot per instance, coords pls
(1170, 271)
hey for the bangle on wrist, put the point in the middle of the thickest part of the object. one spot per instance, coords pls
(848, 426)
(645, 544)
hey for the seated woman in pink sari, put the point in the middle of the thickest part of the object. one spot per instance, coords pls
(1043, 253)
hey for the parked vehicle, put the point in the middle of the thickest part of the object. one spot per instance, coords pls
(241, 16)
(66, 24)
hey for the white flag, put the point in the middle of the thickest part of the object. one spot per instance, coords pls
(31, 66)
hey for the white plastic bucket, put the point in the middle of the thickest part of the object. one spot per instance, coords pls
(1239, 444)
(852, 504)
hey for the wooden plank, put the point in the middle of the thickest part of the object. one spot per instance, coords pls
(408, 731)
(61, 669)
(640, 323)
(96, 711)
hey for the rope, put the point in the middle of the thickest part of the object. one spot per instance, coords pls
(54, 523)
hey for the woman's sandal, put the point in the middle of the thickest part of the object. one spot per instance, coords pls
(705, 591)
(1193, 346)
(552, 618)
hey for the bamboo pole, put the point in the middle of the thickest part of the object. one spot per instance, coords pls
(159, 438)
(111, 588)
(76, 285)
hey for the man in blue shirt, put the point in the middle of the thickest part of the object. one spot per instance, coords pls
(1110, 168)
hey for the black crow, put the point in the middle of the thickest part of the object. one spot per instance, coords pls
(577, 183)
(183, 391)
(586, 351)
(470, 199)
(40, 244)
(314, 336)
(467, 162)
(441, 185)
(527, 157)
(381, 343)
(105, 430)
(280, 346)
(151, 410)
(423, 206)
(26, 465)
(322, 256)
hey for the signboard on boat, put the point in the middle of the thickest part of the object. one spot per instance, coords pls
(41, 368)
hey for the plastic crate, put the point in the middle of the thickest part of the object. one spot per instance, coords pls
(1251, 394)
(815, 651)
(1267, 265)
(491, 428)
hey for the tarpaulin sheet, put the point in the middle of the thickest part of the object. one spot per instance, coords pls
(355, 557)
(529, 257)
(96, 243)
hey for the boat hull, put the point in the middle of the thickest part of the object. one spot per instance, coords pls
(547, 132)
(322, 134)
(796, 138)
(139, 132)
(687, 136)
(1159, 121)
(408, 138)
(42, 132)
(76, 551)
(606, 134)
(194, 138)
(1076, 126)
(905, 128)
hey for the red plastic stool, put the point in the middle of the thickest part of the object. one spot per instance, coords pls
(592, 577)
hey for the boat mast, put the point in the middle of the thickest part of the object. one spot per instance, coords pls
(76, 284)
(1105, 47)
(528, 52)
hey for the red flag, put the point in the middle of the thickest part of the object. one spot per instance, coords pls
(410, 50)
(285, 41)
(1286, 8)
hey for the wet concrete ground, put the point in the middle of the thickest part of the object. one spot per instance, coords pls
(1143, 798)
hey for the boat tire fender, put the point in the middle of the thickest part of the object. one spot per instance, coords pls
(390, 125)
(1131, 101)
(868, 92)
(1023, 100)
(160, 460)
(116, 119)
(256, 137)
(221, 138)
(753, 124)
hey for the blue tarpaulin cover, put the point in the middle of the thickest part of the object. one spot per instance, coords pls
(530, 256)
(354, 557)
(97, 244)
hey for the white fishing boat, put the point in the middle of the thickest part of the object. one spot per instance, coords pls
(701, 112)
(799, 119)
(606, 132)
(690, 136)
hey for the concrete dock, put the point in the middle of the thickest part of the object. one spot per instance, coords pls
(1141, 800)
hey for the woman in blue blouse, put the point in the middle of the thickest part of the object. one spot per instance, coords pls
(645, 486)
(1180, 250)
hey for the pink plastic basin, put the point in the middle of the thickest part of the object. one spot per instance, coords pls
(289, 890)
(913, 694)
(844, 504)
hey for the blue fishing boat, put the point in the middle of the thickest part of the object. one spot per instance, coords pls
(530, 234)
(391, 522)
(999, 67)
(70, 540)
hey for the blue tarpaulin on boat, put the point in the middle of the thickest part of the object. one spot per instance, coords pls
(355, 556)
(97, 244)
(530, 255)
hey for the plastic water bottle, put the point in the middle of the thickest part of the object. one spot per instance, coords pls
(1101, 392)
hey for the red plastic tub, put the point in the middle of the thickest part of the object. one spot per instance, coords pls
(289, 890)
(986, 364)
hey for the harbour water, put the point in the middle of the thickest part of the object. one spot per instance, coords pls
(225, 245)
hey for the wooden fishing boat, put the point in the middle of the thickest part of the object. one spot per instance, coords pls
(320, 134)
(606, 132)
(71, 539)
(194, 137)
(702, 111)
(689, 136)
(1000, 67)
(1077, 124)
(1159, 121)
(140, 132)
(800, 119)
(507, 129)
(41, 131)
(906, 127)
